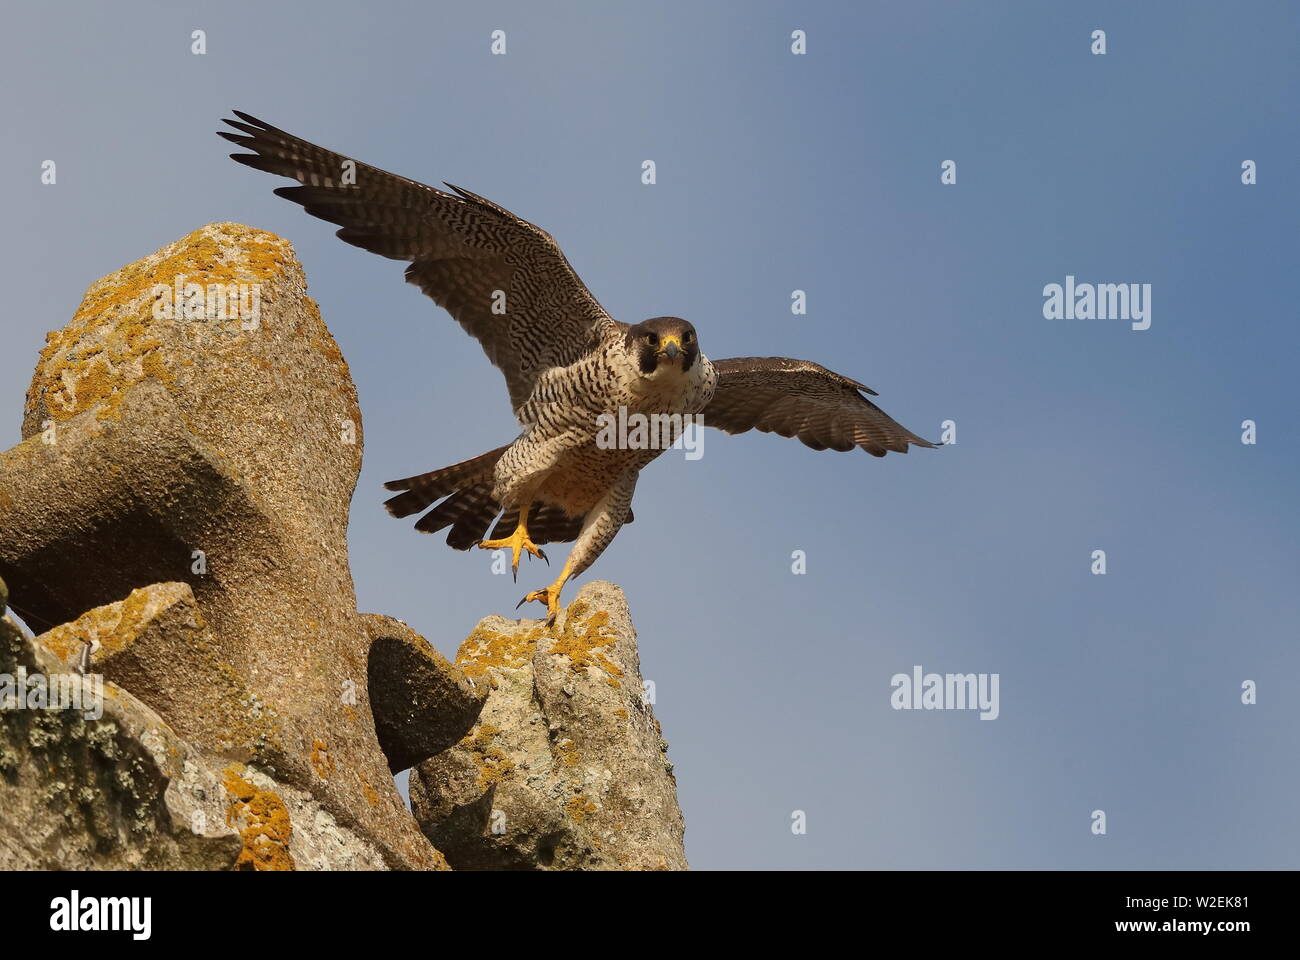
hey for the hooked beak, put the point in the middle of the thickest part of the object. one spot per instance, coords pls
(672, 348)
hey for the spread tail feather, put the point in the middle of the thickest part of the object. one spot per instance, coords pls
(469, 507)
(422, 490)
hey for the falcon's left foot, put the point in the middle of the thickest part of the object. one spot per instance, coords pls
(549, 596)
(516, 543)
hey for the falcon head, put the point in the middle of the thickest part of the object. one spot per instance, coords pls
(661, 344)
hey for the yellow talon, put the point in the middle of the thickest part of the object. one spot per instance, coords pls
(518, 542)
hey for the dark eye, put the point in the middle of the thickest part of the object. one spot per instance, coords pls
(688, 337)
(651, 339)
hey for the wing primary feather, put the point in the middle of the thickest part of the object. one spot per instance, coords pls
(798, 398)
(462, 248)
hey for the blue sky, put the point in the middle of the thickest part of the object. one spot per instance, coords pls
(818, 172)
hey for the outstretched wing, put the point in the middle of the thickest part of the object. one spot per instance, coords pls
(503, 279)
(795, 398)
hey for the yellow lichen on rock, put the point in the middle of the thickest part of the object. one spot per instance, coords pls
(113, 626)
(369, 792)
(483, 649)
(583, 642)
(263, 823)
(580, 808)
(110, 342)
(568, 754)
(321, 761)
(493, 764)
(581, 639)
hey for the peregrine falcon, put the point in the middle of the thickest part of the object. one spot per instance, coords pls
(568, 364)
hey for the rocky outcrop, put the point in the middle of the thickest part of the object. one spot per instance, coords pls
(117, 790)
(175, 520)
(422, 703)
(194, 427)
(106, 783)
(567, 767)
(158, 645)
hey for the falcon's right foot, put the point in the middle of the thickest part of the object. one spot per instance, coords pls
(550, 595)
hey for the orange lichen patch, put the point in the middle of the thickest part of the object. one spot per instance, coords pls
(569, 755)
(582, 641)
(70, 384)
(493, 763)
(621, 713)
(200, 257)
(372, 795)
(267, 827)
(484, 649)
(580, 808)
(321, 761)
(114, 626)
(110, 344)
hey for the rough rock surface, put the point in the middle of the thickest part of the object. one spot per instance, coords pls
(118, 791)
(422, 703)
(567, 767)
(222, 454)
(156, 644)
